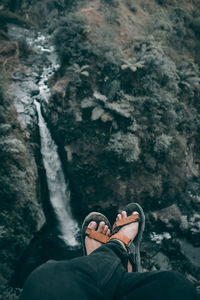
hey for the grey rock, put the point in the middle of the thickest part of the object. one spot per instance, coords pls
(12, 145)
(5, 128)
(170, 217)
(194, 228)
(106, 117)
(100, 97)
(190, 252)
(121, 108)
(161, 261)
(97, 112)
(34, 89)
(87, 103)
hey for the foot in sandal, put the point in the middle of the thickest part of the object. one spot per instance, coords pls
(95, 230)
(92, 244)
(128, 230)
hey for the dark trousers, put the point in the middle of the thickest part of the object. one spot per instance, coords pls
(103, 275)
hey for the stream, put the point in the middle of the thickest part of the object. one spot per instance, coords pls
(30, 91)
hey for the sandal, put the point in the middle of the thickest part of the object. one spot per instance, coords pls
(98, 236)
(133, 247)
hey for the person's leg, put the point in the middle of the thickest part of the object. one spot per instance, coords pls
(103, 275)
(95, 276)
(157, 285)
(165, 285)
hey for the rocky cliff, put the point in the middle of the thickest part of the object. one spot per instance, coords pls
(21, 215)
(124, 112)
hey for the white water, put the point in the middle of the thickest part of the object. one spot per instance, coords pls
(58, 189)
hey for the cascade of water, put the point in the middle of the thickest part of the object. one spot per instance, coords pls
(58, 189)
(23, 92)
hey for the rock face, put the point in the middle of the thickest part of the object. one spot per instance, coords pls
(130, 121)
(21, 214)
(20, 210)
(127, 118)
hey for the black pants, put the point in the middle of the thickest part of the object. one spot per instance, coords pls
(102, 275)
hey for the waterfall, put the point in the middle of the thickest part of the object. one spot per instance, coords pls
(23, 92)
(58, 189)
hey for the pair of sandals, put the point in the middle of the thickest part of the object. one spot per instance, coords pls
(133, 247)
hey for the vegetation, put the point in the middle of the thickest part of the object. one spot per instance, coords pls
(10, 17)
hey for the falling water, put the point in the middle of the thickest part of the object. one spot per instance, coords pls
(58, 189)
(24, 101)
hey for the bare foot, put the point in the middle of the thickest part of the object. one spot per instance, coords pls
(91, 244)
(129, 230)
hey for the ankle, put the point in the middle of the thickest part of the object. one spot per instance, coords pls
(121, 243)
(120, 251)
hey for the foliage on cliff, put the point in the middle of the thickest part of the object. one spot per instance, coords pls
(120, 86)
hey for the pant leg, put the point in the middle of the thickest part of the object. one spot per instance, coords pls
(102, 275)
(157, 285)
(95, 276)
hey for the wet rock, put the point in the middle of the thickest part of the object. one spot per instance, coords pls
(161, 261)
(190, 252)
(168, 218)
(158, 238)
(34, 89)
(18, 76)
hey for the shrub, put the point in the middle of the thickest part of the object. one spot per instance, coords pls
(112, 17)
(69, 38)
(24, 49)
(195, 26)
(162, 144)
(131, 5)
(7, 16)
(125, 146)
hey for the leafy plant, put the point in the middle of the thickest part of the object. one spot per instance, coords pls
(70, 38)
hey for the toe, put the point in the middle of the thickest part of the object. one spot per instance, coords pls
(119, 217)
(124, 214)
(135, 213)
(105, 229)
(92, 225)
(108, 232)
(101, 226)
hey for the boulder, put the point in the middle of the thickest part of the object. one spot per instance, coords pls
(169, 218)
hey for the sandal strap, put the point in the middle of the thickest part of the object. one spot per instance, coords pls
(123, 238)
(98, 236)
(125, 221)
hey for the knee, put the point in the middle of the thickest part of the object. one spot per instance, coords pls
(170, 277)
(38, 282)
(176, 282)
